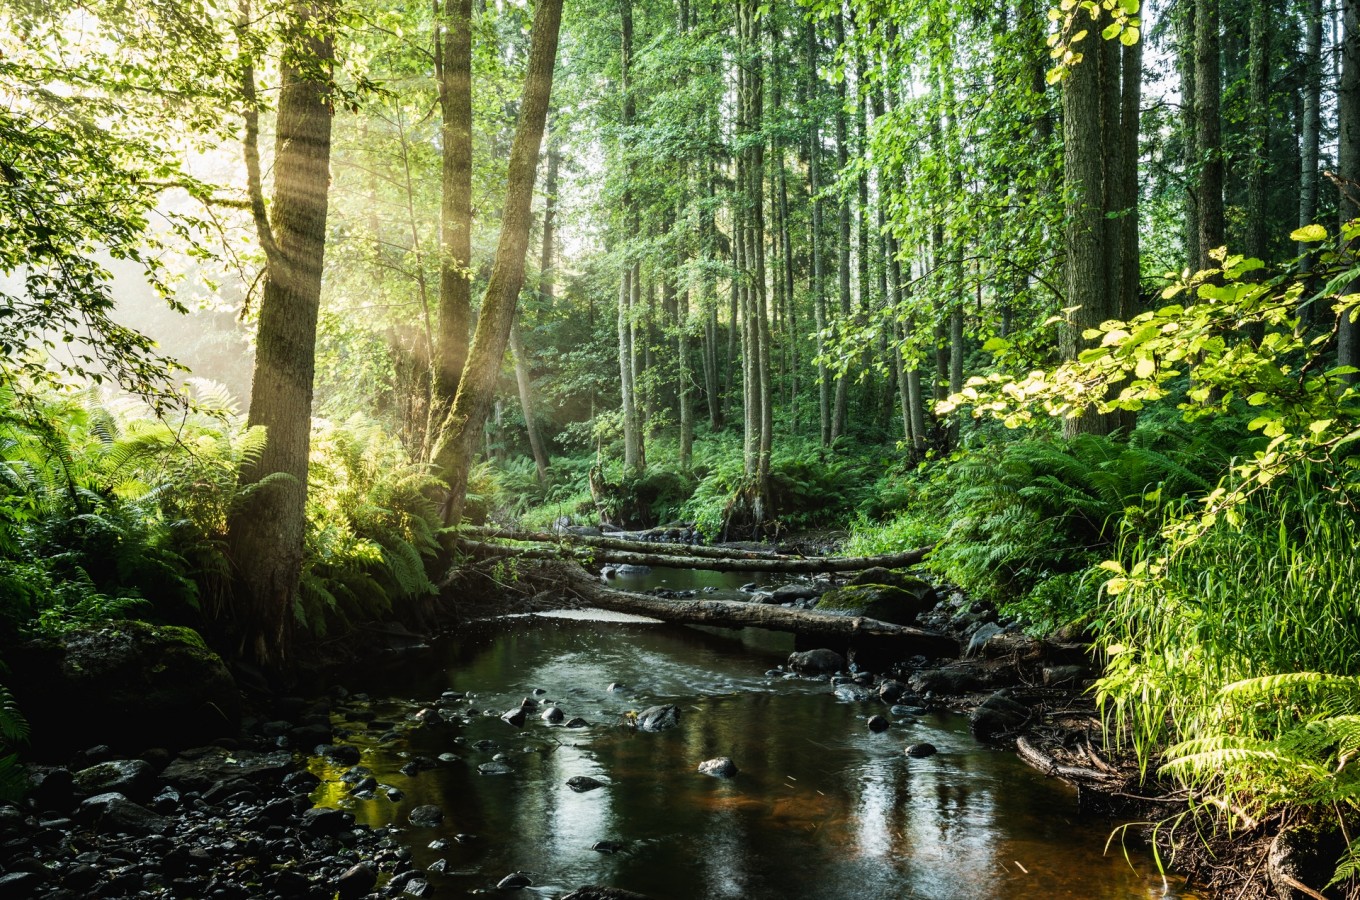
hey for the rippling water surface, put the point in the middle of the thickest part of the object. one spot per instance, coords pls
(821, 808)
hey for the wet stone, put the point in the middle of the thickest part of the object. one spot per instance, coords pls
(494, 768)
(851, 693)
(426, 816)
(514, 881)
(582, 783)
(577, 722)
(920, 751)
(356, 881)
(659, 718)
(878, 724)
(718, 767)
(552, 715)
(607, 846)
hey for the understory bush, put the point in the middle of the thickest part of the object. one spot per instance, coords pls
(1025, 524)
(109, 512)
(1239, 652)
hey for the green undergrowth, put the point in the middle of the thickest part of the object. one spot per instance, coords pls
(108, 512)
(1026, 524)
(1234, 659)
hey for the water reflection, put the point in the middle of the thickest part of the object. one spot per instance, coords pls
(821, 808)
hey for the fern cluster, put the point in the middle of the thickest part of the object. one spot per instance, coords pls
(107, 511)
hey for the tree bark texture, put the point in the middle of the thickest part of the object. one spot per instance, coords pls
(453, 57)
(736, 614)
(1100, 153)
(1208, 131)
(477, 388)
(265, 535)
(659, 557)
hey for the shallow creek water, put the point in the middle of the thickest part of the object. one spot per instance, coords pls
(821, 808)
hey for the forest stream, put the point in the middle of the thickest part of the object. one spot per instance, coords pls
(821, 807)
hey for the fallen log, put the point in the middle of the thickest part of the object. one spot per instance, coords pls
(790, 565)
(616, 543)
(1050, 766)
(736, 614)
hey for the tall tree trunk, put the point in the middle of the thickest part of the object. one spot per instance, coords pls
(477, 387)
(524, 383)
(1185, 46)
(453, 59)
(1101, 97)
(1348, 158)
(686, 379)
(818, 251)
(633, 460)
(838, 418)
(1258, 78)
(1310, 132)
(265, 534)
(1208, 131)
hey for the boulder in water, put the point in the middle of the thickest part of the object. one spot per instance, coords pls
(582, 783)
(659, 718)
(718, 767)
(816, 662)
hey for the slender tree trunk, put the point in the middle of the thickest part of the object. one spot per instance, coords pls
(526, 403)
(453, 57)
(1185, 43)
(265, 534)
(838, 419)
(1311, 129)
(633, 461)
(1348, 158)
(1258, 75)
(477, 387)
(1101, 98)
(1208, 131)
(686, 375)
(818, 251)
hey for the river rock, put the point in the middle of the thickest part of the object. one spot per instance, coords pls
(881, 594)
(322, 821)
(356, 881)
(200, 768)
(553, 716)
(606, 846)
(577, 722)
(998, 715)
(1059, 675)
(629, 569)
(426, 816)
(718, 767)
(134, 685)
(494, 768)
(890, 691)
(133, 778)
(978, 642)
(514, 717)
(920, 751)
(954, 680)
(659, 718)
(514, 882)
(113, 812)
(816, 662)
(790, 593)
(595, 892)
(851, 693)
(582, 783)
(878, 724)
(51, 789)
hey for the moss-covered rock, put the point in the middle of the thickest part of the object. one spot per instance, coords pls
(881, 594)
(126, 684)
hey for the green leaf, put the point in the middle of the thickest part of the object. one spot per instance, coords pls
(1308, 234)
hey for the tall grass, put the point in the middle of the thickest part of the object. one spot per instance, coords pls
(1237, 655)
